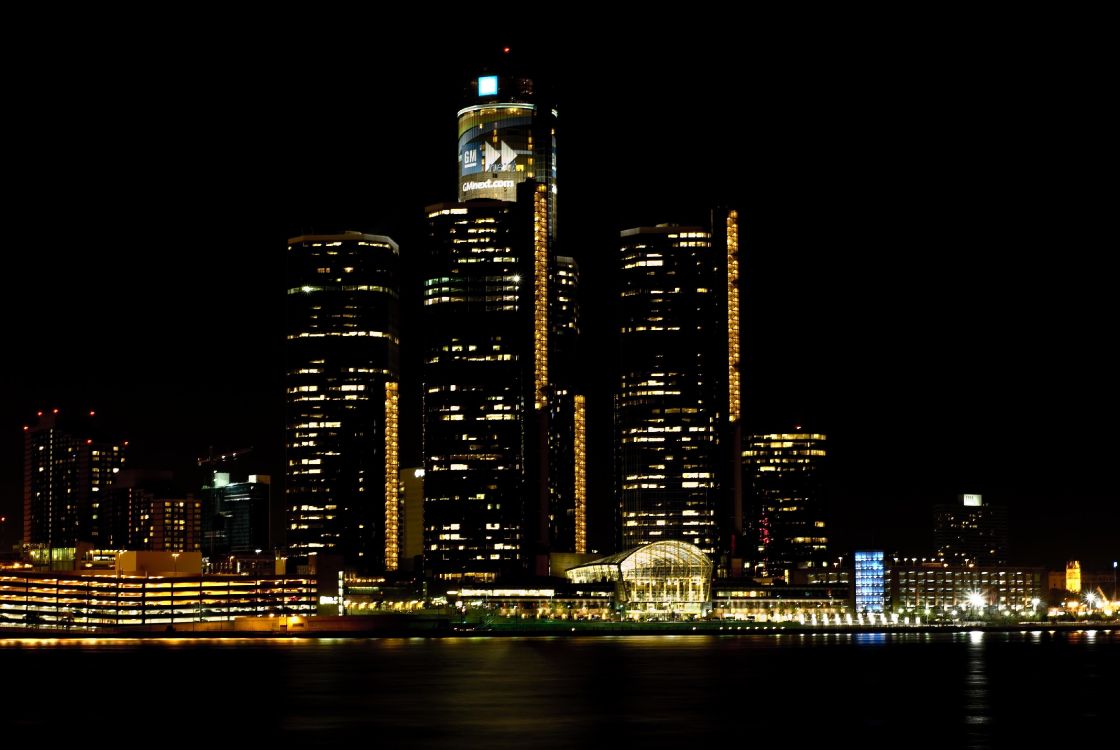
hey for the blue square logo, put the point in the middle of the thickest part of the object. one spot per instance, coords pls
(487, 85)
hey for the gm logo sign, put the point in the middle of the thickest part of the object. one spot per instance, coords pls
(488, 85)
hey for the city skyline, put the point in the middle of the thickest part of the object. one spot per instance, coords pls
(884, 323)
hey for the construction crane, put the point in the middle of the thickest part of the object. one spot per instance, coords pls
(217, 458)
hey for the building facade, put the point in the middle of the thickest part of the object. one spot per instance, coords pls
(677, 402)
(970, 531)
(784, 474)
(343, 370)
(667, 577)
(235, 513)
(932, 587)
(567, 436)
(870, 582)
(148, 510)
(485, 388)
(986, 589)
(507, 136)
(88, 601)
(412, 518)
(68, 469)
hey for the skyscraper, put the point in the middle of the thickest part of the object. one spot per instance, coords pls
(486, 386)
(677, 402)
(68, 469)
(499, 490)
(567, 454)
(784, 473)
(507, 135)
(342, 401)
(970, 531)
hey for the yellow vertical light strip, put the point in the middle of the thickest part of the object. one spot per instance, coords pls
(540, 292)
(733, 382)
(579, 452)
(392, 476)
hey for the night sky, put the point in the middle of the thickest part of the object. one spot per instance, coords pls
(922, 215)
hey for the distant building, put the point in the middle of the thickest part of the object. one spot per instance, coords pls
(1073, 577)
(150, 512)
(68, 468)
(235, 514)
(970, 531)
(677, 396)
(343, 370)
(412, 518)
(870, 582)
(785, 479)
(938, 586)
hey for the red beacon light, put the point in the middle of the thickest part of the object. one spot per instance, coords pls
(54, 411)
(91, 413)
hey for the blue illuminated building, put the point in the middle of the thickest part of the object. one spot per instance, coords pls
(870, 582)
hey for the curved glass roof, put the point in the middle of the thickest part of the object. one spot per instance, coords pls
(667, 557)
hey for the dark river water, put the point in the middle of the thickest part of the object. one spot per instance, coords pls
(821, 691)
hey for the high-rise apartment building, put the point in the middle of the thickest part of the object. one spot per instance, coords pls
(970, 531)
(342, 398)
(68, 469)
(784, 474)
(148, 510)
(677, 401)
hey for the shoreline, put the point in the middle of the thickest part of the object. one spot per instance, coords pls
(549, 629)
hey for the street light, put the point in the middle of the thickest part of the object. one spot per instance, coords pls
(174, 572)
(976, 601)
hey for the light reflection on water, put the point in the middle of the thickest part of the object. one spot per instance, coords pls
(965, 689)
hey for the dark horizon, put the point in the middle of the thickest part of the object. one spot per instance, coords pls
(919, 228)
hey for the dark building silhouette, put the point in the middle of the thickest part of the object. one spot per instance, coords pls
(677, 401)
(567, 453)
(970, 531)
(412, 518)
(341, 443)
(235, 512)
(68, 468)
(784, 473)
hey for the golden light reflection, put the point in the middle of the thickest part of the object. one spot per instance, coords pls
(392, 473)
(733, 377)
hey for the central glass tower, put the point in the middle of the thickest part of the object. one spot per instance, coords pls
(342, 400)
